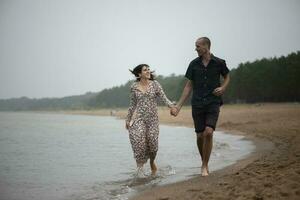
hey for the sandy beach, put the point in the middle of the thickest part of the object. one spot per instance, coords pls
(272, 172)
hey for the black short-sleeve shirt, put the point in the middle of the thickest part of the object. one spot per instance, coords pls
(205, 80)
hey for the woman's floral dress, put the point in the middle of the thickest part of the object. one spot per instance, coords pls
(143, 119)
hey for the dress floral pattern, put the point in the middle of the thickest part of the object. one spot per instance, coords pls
(143, 119)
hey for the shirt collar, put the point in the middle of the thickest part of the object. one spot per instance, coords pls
(212, 57)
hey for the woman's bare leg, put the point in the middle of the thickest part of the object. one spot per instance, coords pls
(152, 163)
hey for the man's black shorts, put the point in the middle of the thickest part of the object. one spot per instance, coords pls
(205, 116)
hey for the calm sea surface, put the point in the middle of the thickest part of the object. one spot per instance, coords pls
(78, 157)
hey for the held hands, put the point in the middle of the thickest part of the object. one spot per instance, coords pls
(219, 91)
(174, 111)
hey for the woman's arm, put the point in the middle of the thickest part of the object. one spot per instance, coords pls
(162, 95)
(132, 106)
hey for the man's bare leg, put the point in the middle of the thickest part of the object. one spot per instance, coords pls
(200, 141)
(200, 144)
(207, 147)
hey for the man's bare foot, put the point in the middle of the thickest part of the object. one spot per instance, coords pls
(153, 168)
(204, 171)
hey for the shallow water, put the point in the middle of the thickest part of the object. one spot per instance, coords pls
(57, 156)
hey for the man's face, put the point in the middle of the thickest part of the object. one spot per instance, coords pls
(201, 47)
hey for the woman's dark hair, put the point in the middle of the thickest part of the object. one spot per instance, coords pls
(138, 70)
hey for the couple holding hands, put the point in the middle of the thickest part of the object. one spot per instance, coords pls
(203, 80)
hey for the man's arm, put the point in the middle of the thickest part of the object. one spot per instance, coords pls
(185, 94)
(220, 90)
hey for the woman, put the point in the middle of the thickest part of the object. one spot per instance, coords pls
(142, 119)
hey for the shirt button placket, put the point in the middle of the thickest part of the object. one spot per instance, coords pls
(205, 82)
(205, 78)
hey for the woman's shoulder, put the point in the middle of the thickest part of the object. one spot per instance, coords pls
(133, 85)
(155, 82)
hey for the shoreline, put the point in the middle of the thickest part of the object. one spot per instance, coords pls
(262, 146)
(272, 171)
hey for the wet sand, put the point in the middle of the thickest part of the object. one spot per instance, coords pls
(272, 172)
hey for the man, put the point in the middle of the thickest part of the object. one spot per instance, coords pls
(203, 76)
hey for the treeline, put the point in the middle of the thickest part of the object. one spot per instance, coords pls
(119, 96)
(108, 98)
(25, 103)
(265, 80)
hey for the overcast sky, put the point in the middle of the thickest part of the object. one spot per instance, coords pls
(56, 48)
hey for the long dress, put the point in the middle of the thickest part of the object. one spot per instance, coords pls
(143, 120)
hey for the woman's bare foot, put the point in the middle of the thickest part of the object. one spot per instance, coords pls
(140, 170)
(153, 168)
(204, 171)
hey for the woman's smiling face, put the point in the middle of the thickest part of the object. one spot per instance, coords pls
(145, 73)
